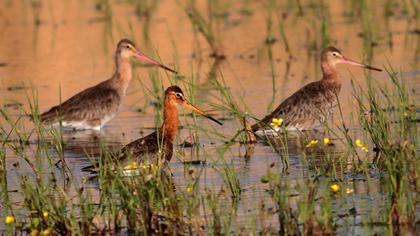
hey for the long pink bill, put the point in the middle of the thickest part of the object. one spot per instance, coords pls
(142, 57)
(354, 63)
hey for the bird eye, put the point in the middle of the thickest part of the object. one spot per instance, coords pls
(127, 46)
(334, 54)
(178, 95)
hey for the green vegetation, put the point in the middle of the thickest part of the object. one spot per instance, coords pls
(360, 175)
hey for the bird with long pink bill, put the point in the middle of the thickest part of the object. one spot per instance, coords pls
(93, 107)
(309, 107)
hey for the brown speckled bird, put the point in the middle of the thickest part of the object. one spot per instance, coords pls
(95, 106)
(311, 105)
(164, 137)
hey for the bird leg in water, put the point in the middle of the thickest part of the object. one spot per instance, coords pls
(249, 135)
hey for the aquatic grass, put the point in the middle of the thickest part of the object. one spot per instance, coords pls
(283, 35)
(280, 191)
(205, 28)
(388, 122)
(144, 10)
(292, 5)
(105, 7)
(149, 200)
(53, 135)
(231, 180)
(222, 216)
(270, 6)
(246, 8)
(4, 194)
(226, 102)
(368, 30)
(130, 205)
(301, 209)
(313, 223)
(18, 144)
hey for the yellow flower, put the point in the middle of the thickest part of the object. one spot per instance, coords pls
(132, 166)
(311, 143)
(9, 220)
(349, 190)
(361, 145)
(326, 141)
(276, 123)
(154, 168)
(189, 189)
(335, 188)
(45, 214)
(34, 232)
(46, 232)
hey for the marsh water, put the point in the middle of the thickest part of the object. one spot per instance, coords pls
(50, 50)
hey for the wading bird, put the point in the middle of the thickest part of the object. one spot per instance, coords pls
(164, 137)
(310, 106)
(95, 106)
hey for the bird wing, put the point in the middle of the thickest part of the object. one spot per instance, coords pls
(91, 104)
(303, 108)
(147, 145)
(135, 149)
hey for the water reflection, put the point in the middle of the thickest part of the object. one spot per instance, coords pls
(59, 51)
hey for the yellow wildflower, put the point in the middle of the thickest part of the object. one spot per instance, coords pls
(349, 190)
(335, 188)
(361, 145)
(311, 143)
(276, 123)
(46, 232)
(326, 141)
(154, 168)
(45, 214)
(189, 189)
(34, 232)
(9, 220)
(132, 166)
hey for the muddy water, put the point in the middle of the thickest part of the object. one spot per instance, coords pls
(55, 47)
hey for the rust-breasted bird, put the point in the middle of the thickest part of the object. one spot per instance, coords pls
(93, 107)
(309, 107)
(164, 137)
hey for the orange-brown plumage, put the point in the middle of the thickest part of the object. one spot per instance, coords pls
(164, 137)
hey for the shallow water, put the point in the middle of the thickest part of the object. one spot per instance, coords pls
(65, 46)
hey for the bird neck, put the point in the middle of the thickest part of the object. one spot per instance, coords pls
(330, 73)
(123, 73)
(170, 121)
(331, 77)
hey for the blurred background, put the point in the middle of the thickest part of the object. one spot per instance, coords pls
(251, 54)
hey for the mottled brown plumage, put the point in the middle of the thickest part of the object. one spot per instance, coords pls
(95, 106)
(163, 138)
(311, 105)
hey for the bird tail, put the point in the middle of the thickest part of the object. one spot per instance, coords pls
(95, 167)
(50, 116)
(255, 127)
